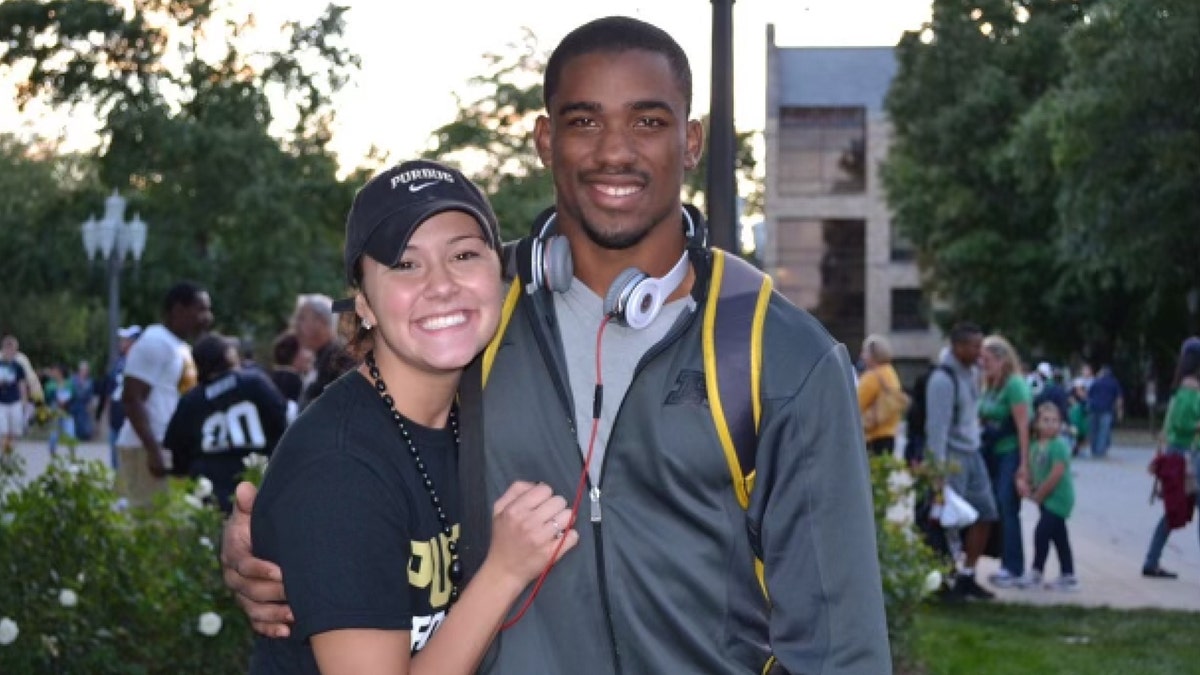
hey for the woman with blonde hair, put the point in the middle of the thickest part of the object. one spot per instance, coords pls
(1004, 414)
(881, 399)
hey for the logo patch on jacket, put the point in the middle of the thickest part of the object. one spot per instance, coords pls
(690, 389)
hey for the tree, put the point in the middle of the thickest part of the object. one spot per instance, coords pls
(954, 184)
(190, 133)
(494, 131)
(1123, 132)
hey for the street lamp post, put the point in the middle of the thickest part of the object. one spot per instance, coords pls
(113, 238)
(721, 189)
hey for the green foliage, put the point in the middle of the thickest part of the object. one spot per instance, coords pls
(908, 566)
(956, 188)
(1004, 639)
(1044, 165)
(93, 588)
(1122, 133)
(221, 150)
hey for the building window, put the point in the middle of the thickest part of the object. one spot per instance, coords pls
(908, 310)
(822, 268)
(822, 151)
(902, 249)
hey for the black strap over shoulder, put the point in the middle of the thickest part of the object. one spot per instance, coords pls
(476, 533)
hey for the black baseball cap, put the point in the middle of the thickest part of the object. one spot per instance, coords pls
(393, 204)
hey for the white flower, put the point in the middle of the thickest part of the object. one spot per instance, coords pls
(206, 543)
(8, 631)
(210, 623)
(81, 577)
(204, 487)
(193, 501)
(933, 581)
(67, 598)
(254, 459)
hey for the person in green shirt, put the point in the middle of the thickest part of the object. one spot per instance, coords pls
(1004, 418)
(1054, 492)
(1181, 433)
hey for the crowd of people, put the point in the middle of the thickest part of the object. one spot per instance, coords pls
(996, 435)
(178, 399)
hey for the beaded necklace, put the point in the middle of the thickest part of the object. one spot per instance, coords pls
(434, 498)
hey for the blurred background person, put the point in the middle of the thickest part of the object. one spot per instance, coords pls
(1005, 413)
(315, 326)
(14, 393)
(112, 388)
(882, 402)
(83, 389)
(232, 413)
(158, 370)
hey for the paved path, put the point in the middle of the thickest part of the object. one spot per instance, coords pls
(1110, 531)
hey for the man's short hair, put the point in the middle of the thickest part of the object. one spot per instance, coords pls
(182, 294)
(614, 35)
(212, 356)
(964, 331)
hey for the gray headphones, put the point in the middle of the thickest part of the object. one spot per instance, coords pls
(543, 260)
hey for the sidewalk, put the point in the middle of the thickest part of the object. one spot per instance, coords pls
(1110, 531)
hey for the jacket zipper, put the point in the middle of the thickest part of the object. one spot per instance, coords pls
(594, 491)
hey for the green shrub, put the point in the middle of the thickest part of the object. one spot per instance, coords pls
(910, 569)
(89, 587)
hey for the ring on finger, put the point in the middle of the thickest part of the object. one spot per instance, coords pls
(558, 531)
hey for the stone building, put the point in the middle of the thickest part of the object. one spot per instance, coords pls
(828, 240)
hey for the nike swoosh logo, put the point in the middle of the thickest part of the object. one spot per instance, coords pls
(415, 187)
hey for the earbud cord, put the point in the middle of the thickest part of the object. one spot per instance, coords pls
(597, 404)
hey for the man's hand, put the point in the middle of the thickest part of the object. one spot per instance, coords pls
(154, 462)
(258, 584)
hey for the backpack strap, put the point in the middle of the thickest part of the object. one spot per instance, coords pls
(954, 383)
(732, 340)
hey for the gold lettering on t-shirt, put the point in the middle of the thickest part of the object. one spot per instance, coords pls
(429, 567)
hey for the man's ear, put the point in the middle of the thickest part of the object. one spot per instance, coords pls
(542, 137)
(695, 144)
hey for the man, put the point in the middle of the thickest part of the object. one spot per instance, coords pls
(158, 369)
(952, 439)
(14, 393)
(232, 413)
(315, 326)
(113, 387)
(1105, 403)
(664, 580)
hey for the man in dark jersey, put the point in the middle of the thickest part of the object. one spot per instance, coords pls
(232, 413)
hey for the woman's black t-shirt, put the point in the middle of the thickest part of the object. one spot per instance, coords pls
(344, 513)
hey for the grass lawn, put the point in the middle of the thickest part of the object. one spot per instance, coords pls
(998, 639)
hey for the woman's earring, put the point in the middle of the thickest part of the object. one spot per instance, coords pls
(366, 325)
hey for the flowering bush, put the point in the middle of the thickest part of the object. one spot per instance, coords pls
(87, 586)
(910, 569)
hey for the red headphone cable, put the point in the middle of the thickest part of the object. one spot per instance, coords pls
(597, 402)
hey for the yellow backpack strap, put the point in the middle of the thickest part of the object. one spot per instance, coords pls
(733, 324)
(510, 303)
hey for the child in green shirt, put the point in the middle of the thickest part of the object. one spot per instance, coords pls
(1054, 493)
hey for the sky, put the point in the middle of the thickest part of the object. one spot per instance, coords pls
(416, 55)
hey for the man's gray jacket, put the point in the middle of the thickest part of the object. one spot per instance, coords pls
(951, 424)
(663, 579)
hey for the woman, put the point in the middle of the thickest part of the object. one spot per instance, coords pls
(881, 399)
(1004, 410)
(359, 506)
(1181, 433)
